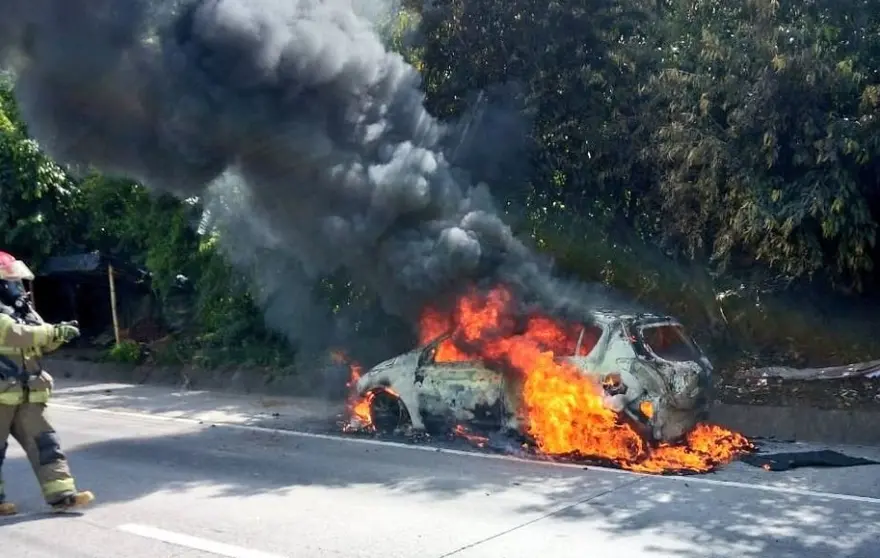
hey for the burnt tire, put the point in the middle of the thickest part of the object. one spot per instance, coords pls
(387, 412)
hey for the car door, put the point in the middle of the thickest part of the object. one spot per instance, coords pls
(458, 392)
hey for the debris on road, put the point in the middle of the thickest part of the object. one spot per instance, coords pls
(794, 460)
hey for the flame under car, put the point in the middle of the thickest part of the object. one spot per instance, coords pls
(649, 370)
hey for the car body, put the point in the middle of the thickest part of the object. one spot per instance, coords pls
(652, 373)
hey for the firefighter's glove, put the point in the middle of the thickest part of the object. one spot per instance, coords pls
(61, 334)
(65, 331)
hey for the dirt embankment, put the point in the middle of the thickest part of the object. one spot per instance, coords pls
(855, 393)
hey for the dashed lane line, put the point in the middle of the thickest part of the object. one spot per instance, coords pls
(195, 543)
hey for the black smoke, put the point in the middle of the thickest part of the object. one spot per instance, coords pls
(291, 120)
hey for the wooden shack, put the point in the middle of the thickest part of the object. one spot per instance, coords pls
(105, 294)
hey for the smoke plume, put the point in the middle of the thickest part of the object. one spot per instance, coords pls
(309, 138)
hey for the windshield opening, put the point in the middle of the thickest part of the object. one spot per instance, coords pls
(670, 342)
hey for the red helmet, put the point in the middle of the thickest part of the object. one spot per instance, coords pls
(12, 269)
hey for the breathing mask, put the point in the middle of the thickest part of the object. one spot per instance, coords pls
(14, 295)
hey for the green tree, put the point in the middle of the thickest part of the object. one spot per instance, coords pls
(37, 197)
(769, 144)
(578, 64)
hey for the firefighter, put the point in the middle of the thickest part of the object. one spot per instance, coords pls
(25, 389)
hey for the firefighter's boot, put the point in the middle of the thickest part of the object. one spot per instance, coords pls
(69, 500)
(7, 508)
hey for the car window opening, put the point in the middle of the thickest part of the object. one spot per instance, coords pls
(670, 342)
(587, 340)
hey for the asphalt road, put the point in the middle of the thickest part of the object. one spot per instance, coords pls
(216, 481)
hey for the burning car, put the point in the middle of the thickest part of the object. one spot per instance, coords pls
(646, 370)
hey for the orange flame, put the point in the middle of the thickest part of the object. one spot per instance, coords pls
(563, 408)
(358, 407)
(462, 432)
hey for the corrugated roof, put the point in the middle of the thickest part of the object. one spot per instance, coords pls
(88, 263)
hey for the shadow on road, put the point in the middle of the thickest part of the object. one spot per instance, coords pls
(39, 516)
(703, 519)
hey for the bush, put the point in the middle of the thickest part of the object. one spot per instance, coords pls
(126, 352)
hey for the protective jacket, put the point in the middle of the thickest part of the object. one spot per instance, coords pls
(20, 373)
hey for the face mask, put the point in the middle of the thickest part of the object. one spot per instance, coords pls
(12, 293)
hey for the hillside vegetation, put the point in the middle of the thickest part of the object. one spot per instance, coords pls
(717, 160)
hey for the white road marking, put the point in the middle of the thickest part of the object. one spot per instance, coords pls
(449, 451)
(196, 543)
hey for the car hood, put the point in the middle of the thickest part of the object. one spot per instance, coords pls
(405, 361)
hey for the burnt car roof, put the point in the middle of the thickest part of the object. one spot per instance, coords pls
(601, 318)
(605, 316)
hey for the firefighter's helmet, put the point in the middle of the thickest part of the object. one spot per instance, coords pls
(12, 269)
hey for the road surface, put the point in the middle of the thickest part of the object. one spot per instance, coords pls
(202, 475)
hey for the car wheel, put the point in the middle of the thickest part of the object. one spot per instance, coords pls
(387, 412)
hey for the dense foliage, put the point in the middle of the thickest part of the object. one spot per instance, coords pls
(718, 159)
